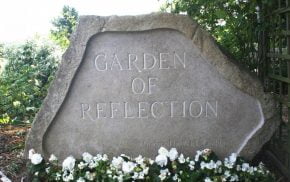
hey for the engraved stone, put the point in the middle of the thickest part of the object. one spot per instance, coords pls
(137, 83)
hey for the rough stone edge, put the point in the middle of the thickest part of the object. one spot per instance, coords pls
(91, 25)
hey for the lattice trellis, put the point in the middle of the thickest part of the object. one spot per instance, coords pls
(274, 55)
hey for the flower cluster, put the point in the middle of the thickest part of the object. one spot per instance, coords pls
(167, 166)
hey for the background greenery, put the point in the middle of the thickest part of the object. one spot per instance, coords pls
(24, 81)
(27, 69)
(235, 24)
(64, 26)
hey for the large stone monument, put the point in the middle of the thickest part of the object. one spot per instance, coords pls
(135, 83)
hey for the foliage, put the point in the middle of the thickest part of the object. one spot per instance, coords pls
(235, 24)
(24, 81)
(1, 50)
(168, 166)
(64, 25)
(1, 57)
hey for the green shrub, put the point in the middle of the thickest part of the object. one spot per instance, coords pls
(235, 24)
(24, 80)
(63, 26)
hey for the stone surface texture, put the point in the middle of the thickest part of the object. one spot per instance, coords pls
(131, 84)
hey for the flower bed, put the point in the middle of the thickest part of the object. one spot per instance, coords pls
(167, 166)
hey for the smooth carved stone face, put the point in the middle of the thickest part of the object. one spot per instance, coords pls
(137, 91)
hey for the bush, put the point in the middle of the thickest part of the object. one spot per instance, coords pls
(24, 80)
(167, 166)
(235, 24)
(63, 26)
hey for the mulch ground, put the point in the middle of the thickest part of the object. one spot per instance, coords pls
(12, 141)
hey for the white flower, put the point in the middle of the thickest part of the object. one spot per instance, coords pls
(135, 176)
(52, 158)
(261, 168)
(218, 163)
(227, 174)
(30, 153)
(82, 165)
(163, 174)
(173, 154)
(117, 162)
(128, 167)
(202, 165)
(211, 165)
(175, 177)
(202, 10)
(163, 151)
(47, 170)
(146, 170)
(105, 157)
(93, 164)
(251, 170)
(245, 167)
(5, 179)
(141, 176)
(97, 158)
(87, 157)
(161, 160)
(81, 180)
(191, 165)
(261, 165)
(207, 179)
(120, 178)
(221, 22)
(228, 164)
(68, 163)
(16, 103)
(109, 171)
(57, 176)
(181, 159)
(90, 176)
(20, 155)
(239, 167)
(67, 176)
(234, 178)
(36, 159)
(139, 160)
